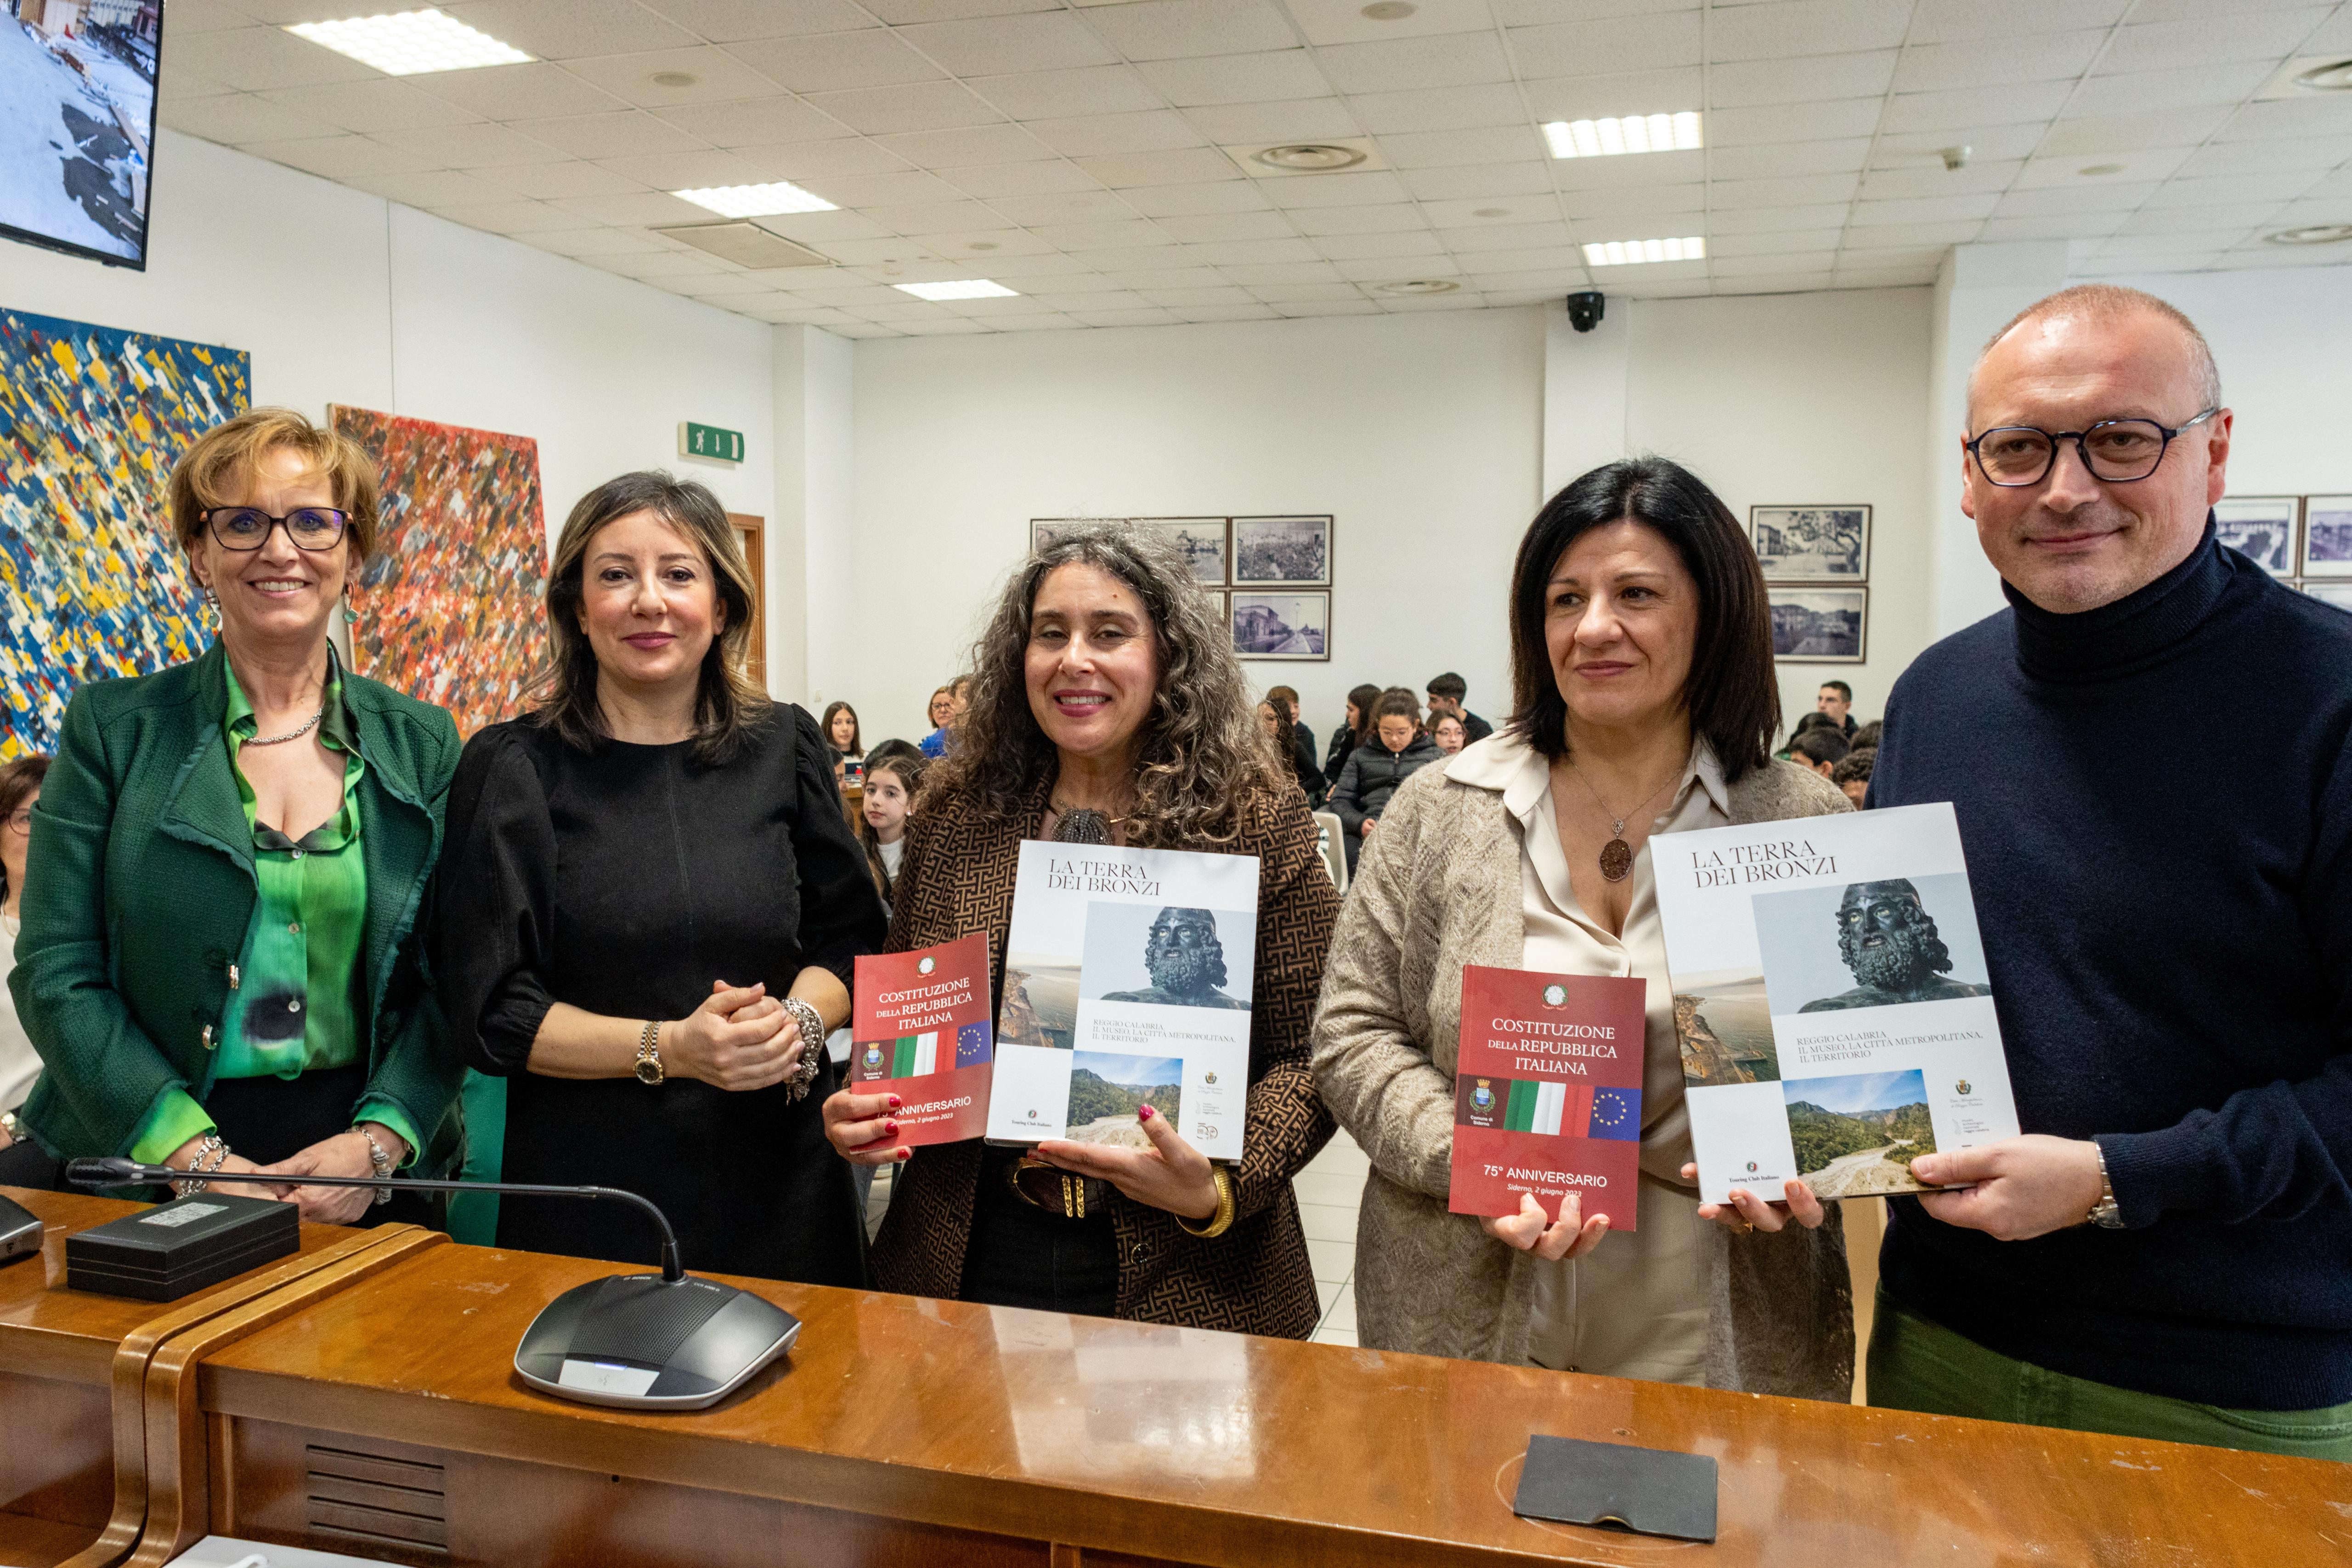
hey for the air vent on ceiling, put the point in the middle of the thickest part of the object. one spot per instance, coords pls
(377, 1501)
(2311, 233)
(2308, 73)
(745, 244)
(1333, 155)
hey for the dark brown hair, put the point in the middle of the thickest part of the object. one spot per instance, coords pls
(1732, 695)
(908, 768)
(1361, 700)
(18, 779)
(727, 705)
(857, 731)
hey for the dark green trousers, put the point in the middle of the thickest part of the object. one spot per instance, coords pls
(1917, 1363)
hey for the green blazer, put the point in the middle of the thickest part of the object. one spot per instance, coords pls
(140, 885)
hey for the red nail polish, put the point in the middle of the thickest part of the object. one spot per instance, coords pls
(1144, 1114)
(893, 1102)
(905, 1155)
(891, 1127)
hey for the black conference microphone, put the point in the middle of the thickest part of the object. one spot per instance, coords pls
(642, 1342)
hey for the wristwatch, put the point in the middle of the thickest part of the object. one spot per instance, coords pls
(2104, 1214)
(649, 1067)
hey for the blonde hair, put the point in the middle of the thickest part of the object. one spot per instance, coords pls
(230, 454)
(728, 704)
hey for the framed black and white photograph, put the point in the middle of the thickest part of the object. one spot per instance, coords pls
(1281, 626)
(1202, 541)
(1819, 626)
(1283, 549)
(1044, 530)
(1811, 544)
(2337, 594)
(2261, 528)
(2327, 536)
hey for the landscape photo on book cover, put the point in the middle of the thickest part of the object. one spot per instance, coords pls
(1041, 1004)
(1858, 1133)
(1723, 1023)
(1107, 1089)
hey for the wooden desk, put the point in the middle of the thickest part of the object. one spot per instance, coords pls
(385, 1420)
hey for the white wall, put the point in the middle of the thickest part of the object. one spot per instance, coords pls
(1419, 433)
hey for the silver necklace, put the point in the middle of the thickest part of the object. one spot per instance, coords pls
(1617, 855)
(295, 734)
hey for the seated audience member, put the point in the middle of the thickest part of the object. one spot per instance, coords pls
(1288, 697)
(1866, 738)
(650, 905)
(1445, 696)
(946, 703)
(1852, 774)
(1273, 718)
(2161, 1253)
(1629, 584)
(1819, 747)
(220, 963)
(20, 789)
(890, 784)
(1396, 751)
(1836, 700)
(1447, 733)
(1109, 706)
(840, 729)
(1352, 734)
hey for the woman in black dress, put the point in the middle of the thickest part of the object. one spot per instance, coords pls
(649, 907)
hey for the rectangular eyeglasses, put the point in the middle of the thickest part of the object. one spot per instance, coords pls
(2115, 451)
(248, 527)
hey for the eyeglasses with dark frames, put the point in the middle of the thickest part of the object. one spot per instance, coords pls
(20, 820)
(248, 527)
(2114, 451)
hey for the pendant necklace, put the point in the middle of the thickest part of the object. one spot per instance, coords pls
(1617, 855)
(305, 728)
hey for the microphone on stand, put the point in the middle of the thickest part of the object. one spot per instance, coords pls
(641, 1341)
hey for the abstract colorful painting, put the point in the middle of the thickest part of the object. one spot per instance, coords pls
(91, 583)
(448, 605)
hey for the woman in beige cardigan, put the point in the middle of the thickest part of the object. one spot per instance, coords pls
(1644, 702)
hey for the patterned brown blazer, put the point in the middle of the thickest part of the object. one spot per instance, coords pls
(957, 878)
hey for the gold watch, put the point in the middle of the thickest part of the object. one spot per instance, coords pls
(649, 1067)
(1222, 1220)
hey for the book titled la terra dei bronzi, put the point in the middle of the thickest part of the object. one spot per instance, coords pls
(1547, 1093)
(1831, 1000)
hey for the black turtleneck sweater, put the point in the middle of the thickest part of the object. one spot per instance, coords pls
(2156, 798)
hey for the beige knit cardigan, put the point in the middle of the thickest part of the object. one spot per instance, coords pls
(1438, 887)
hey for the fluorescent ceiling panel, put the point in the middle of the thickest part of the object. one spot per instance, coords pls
(1631, 134)
(757, 201)
(961, 288)
(410, 43)
(1633, 252)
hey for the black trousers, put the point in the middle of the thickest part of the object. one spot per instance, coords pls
(264, 1120)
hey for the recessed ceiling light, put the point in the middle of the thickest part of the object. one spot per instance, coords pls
(674, 78)
(756, 201)
(2094, 169)
(2335, 76)
(410, 43)
(2311, 233)
(1490, 212)
(1631, 252)
(1388, 10)
(1420, 286)
(1317, 156)
(961, 288)
(1631, 134)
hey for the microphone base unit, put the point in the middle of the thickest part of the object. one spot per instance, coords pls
(637, 1342)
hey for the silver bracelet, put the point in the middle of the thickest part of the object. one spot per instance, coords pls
(812, 1045)
(380, 1164)
(209, 1148)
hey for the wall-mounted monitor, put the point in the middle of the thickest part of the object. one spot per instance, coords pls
(77, 124)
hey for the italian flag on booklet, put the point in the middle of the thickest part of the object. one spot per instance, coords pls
(1547, 1093)
(921, 1032)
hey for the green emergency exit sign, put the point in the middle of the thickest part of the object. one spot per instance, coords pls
(709, 441)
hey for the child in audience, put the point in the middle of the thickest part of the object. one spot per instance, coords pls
(1449, 733)
(1820, 747)
(892, 782)
(1852, 774)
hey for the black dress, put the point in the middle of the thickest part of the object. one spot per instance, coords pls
(623, 881)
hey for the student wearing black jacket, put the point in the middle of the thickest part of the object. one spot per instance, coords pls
(1396, 751)
(1349, 735)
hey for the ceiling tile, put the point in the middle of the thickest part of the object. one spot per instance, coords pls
(1221, 294)
(2064, 199)
(1748, 266)
(1046, 178)
(1047, 41)
(1341, 190)
(1905, 236)
(2284, 186)
(1229, 313)
(2069, 225)
(380, 105)
(2268, 37)
(1236, 79)
(252, 59)
(627, 132)
(1962, 109)
(1140, 257)
(1182, 166)
(1297, 120)
(1078, 238)
(729, 21)
(1785, 29)
(1767, 220)
(1097, 134)
(1023, 272)
(1375, 269)
(180, 82)
(915, 106)
(1519, 210)
(236, 118)
(598, 241)
(2144, 92)
(1186, 201)
(473, 146)
(683, 170)
(651, 210)
(1438, 108)
(968, 146)
(1154, 317)
(1469, 180)
(547, 181)
(1470, 243)
(1647, 169)
(1840, 156)
(1090, 89)
(1174, 30)
(336, 157)
(834, 61)
(1088, 207)
(754, 122)
(1624, 43)
(1166, 278)
(798, 160)
(1206, 227)
(1996, 61)
(1680, 204)
(1928, 177)
(570, 29)
(938, 218)
(1795, 190)
(2293, 117)
(1458, 59)
(429, 188)
(1327, 22)
(2315, 152)
(532, 91)
(2184, 220)
(189, 16)
(1781, 242)
(875, 189)
(1950, 21)
(1442, 148)
(1252, 252)
(507, 217)
(1822, 79)
(1365, 247)
(1770, 124)
(1970, 208)
(1630, 93)
(1920, 148)
(2131, 132)
(1360, 307)
(717, 76)
(1305, 293)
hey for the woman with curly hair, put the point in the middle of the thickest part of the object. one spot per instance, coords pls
(1107, 705)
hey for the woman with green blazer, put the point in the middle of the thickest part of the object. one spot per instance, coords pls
(221, 964)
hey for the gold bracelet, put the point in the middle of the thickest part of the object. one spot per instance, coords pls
(1222, 1220)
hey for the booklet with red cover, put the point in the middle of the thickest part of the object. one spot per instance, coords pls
(920, 1031)
(1547, 1093)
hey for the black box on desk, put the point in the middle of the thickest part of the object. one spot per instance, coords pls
(172, 1249)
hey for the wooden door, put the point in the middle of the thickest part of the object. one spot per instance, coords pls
(751, 533)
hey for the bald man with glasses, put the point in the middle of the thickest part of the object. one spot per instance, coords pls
(2166, 1252)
